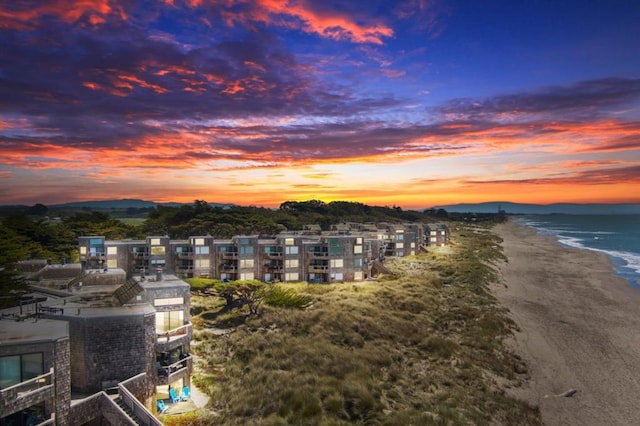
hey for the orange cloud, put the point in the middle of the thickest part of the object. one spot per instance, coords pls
(26, 15)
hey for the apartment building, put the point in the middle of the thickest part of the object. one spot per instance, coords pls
(91, 345)
(343, 254)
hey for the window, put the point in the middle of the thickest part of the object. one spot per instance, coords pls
(400, 253)
(243, 241)
(291, 276)
(291, 263)
(399, 237)
(112, 263)
(158, 262)
(19, 368)
(198, 241)
(357, 276)
(359, 241)
(246, 249)
(267, 278)
(202, 263)
(155, 241)
(433, 232)
(169, 320)
(246, 263)
(434, 239)
(157, 251)
(338, 276)
(202, 250)
(334, 247)
(357, 249)
(337, 263)
(83, 250)
(413, 245)
(291, 250)
(357, 263)
(288, 241)
(168, 301)
(96, 241)
(246, 276)
(399, 245)
(112, 250)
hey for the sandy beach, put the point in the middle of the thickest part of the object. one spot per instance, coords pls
(579, 329)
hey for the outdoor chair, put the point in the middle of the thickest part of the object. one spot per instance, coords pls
(184, 396)
(173, 396)
(162, 407)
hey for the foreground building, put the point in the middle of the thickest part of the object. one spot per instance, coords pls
(90, 346)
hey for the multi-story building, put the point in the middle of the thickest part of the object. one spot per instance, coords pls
(343, 254)
(66, 348)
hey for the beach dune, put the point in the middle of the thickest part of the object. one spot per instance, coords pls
(579, 330)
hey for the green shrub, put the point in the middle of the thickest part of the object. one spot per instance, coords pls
(286, 298)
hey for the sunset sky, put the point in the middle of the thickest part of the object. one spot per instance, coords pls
(413, 103)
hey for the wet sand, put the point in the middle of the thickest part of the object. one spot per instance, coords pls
(579, 329)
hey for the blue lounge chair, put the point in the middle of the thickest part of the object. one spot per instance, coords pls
(173, 396)
(162, 407)
(184, 395)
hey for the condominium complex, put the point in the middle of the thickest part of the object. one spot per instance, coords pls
(346, 253)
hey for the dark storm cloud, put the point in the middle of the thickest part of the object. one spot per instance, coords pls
(584, 99)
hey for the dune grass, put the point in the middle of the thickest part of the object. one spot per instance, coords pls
(426, 347)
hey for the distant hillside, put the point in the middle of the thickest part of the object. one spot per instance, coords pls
(114, 204)
(558, 208)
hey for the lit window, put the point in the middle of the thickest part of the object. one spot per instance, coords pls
(112, 250)
(291, 263)
(202, 263)
(337, 263)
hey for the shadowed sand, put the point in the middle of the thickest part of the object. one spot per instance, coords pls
(579, 329)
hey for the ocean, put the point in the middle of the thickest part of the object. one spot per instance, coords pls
(616, 235)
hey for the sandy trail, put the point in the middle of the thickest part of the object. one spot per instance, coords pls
(580, 329)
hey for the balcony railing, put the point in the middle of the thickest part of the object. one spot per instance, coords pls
(40, 387)
(318, 268)
(274, 254)
(185, 255)
(229, 254)
(318, 253)
(229, 267)
(174, 338)
(170, 373)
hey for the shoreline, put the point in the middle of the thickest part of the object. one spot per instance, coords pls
(579, 329)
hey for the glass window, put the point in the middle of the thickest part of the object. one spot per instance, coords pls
(246, 249)
(155, 241)
(337, 263)
(288, 241)
(357, 249)
(337, 276)
(157, 251)
(202, 263)
(246, 276)
(291, 263)
(96, 241)
(399, 237)
(357, 263)
(243, 241)
(357, 276)
(169, 320)
(291, 250)
(112, 263)
(292, 276)
(202, 250)
(246, 263)
(199, 241)
(9, 371)
(169, 301)
(32, 365)
(112, 250)
(83, 250)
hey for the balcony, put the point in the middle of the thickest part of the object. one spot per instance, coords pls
(184, 268)
(229, 267)
(318, 268)
(319, 253)
(174, 338)
(168, 374)
(274, 254)
(229, 254)
(185, 255)
(140, 255)
(22, 395)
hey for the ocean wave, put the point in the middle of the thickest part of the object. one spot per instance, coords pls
(631, 260)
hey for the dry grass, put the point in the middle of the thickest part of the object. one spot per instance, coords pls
(423, 348)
